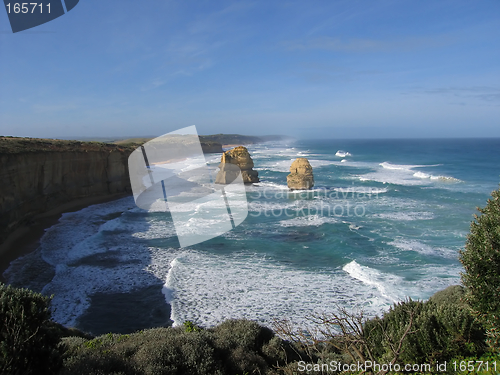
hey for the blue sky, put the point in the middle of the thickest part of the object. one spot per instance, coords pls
(316, 69)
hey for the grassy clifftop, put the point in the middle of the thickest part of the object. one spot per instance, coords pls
(210, 143)
(213, 140)
(14, 145)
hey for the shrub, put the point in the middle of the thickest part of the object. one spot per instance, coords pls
(234, 347)
(176, 352)
(239, 343)
(29, 344)
(442, 328)
(189, 326)
(481, 261)
(96, 356)
(243, 333)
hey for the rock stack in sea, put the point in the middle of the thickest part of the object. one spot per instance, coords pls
(301, 175)
(240, 157)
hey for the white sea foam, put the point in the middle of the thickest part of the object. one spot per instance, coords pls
(402, 174)
(400, 167)
(421, 248)
(208, 289)
(436, 276)
(356, 164)
(267, 185)
(342, 154)
(361, 190)
(72, 252)
(432, 177)
(284, 165)
(405, 216)
(58, 240)
(311, 220)
(315, 163)
(155, 229)
(263, 206)
(385, 283)
(275, 166)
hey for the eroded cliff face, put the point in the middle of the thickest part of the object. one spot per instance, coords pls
(38, 175)
(36, 178)
(301, 175)
(241, 157)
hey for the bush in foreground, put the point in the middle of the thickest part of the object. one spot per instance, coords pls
(481, 261)
(233, 347)
(29, 344)
(411, 332)
(438, 330)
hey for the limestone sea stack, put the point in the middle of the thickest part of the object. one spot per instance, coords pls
(237, 156)
(301, 175)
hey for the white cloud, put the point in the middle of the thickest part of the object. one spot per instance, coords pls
(367, 45)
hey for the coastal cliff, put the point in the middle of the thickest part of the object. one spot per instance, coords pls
(39, 175)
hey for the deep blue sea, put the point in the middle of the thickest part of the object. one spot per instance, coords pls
(384, 221)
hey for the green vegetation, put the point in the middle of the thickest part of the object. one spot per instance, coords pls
(29, 343)
(216, 140)
(234, 347)
(189, 326)
(437, 331)
(481, 261)
(411, 332)
(13, 145)
(232, 139)
(238, 139)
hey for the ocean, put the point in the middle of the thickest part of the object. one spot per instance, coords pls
(385, 221)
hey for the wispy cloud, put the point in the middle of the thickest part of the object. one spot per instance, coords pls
(219, 20)
(326, 73)
(197, 47)
(43, 108)
(461, 95)
(487, 93)
(358, 45)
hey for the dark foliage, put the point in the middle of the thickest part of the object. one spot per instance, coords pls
(481, 261)
(234, 347)
(29, 342)
(442, 328)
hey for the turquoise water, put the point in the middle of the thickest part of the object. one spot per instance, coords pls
(383, 223)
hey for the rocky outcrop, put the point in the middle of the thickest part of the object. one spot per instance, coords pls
(40, 175)
(240, 157)
(301, 175)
